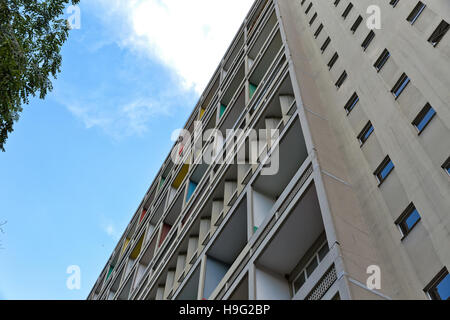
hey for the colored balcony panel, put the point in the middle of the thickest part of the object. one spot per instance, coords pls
(191, 189)
(252, 88)
(137, 249)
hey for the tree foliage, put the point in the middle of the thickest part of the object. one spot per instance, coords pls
(32, 33)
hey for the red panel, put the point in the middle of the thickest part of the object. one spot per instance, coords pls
(164, 232)
(144, 211)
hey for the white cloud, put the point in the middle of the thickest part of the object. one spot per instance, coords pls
(190, 37)
(111, 231)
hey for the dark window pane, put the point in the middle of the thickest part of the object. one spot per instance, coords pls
(323, 252)
(311, 267)
(299, 282)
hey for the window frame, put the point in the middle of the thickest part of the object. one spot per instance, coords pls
(366, 43)
(303, 271)
(421, 116)
(351, 103)
(308, 8)
(380, 169)
(382, 60)
(356, 24)
(401, 220)
(340, 81)
(314, 17)
(366, 130)
(325, 44)
(416, 12)
(431, 289)
(393, 3)
(441, 33)
(333, 60)
(400, 85)
(347, 10)
(446, 166)
(318, 31)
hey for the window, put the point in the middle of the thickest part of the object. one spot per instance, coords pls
(384, 169)
(423, 118)
(416, 12)
(325, 44)
(368, 40)
(347, 10)
(446, 166)
(356, 24)
(384, 57)
(341, 79)
(351, 103)
(319, 29)
(408, 220)
(309, 8)
(303, 1)
(333, 60)
(311, 265)
(365, 133)
(439, 287)
(393, 2)
(439, 33)
(336, 2)
(313, 19)
(400, 85)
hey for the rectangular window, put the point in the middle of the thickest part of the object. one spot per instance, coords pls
(325, 44)
(303, 1)
(415, 13)
(336, 2)
(408, 220)
(384, 169)
(313, 19)
(341, 79)
(400, 85)
(319, 29)
(356, 24)
(446, 166)
(439, 33)
(394, 2)
(365, 133)
(439, 287)
(368, 40)
(424, 117)
(309, 8)
(347, 10)
(311, 265)
(333, 60)
(384, 57)
(351, 103)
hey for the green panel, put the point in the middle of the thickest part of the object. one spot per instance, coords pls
(111, 268)
(161, 183)
(252, 89)
(255, 229)
(222, 110)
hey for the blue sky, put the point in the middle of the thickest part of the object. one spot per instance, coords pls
(79, 162)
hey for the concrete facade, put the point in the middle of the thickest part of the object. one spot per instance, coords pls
(333, 209)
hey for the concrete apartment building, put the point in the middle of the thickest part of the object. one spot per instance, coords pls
(363, 183)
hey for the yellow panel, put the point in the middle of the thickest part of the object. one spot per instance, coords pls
(135, 253)
(180, 177)
(127, 241)
(202, 111)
